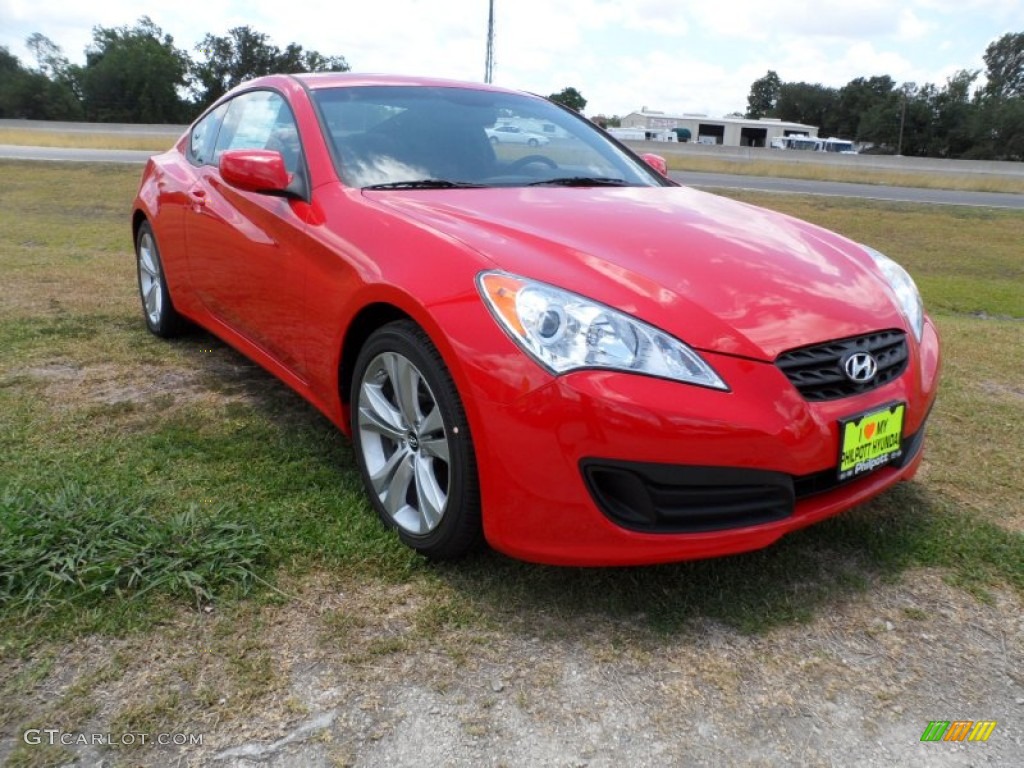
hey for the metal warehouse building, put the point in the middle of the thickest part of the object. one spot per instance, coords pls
(730, 131)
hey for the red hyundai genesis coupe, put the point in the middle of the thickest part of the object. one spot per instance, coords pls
(554, 348)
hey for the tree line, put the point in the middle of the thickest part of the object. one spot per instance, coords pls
(956, 120)
(136, 74)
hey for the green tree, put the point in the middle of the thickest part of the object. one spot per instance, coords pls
(864, 108)
(997, 130)
(243, 54)
(811, 104)
(133, 75)
(569, 97)
(59, 97)
(764, 95)
(906, 123)
(10, 65)
(1004, 59)
(294, 60)
(11, 72)
(50, 59)
(953, 109)
(31, 95)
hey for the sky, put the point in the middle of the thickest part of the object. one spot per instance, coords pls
(621, 55)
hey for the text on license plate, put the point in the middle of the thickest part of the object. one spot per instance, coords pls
(870, 441)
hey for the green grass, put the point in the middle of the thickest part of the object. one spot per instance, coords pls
(86, 140)
(68, 547)
(120, 502)
(804, 168)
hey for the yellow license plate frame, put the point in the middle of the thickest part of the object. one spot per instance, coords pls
(871, 440)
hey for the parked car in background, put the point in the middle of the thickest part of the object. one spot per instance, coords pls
(513, 134)
(560, 351)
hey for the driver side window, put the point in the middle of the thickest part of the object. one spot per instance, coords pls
(261, 120)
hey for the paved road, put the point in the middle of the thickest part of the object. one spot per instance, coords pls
(64, 154)
(692, 178)
(53, 126)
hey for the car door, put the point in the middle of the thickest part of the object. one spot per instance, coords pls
(244, 248)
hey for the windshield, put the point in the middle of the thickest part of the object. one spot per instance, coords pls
(439, 137)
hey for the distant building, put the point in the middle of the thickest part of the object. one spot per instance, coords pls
(730, 131)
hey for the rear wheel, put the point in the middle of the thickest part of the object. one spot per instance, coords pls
(162, 318)
(412, 443)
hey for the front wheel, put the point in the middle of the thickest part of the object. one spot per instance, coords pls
(412, 443)
(162, 318)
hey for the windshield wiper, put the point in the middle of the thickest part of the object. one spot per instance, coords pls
(426, 184)
(582, 181)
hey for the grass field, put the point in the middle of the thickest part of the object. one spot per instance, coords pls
(85, 140)
(973, 182)
(144, 483)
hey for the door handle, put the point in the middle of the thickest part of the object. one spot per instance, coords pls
(198, 195)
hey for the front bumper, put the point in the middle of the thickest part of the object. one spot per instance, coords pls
(537, 456)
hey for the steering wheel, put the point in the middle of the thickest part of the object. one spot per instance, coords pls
(522, 162)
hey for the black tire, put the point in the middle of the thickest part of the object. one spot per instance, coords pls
(533, 142)
(158, 310)
(412, 443)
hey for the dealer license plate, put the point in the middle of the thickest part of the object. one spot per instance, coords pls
(870, 441)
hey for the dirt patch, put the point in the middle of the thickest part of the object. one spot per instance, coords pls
(68, 385)
(224, 378)
(356, 673)
(999, 389)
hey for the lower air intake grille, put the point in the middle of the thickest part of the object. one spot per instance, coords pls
(665, 498)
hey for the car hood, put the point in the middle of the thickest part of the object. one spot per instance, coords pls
(720, 275)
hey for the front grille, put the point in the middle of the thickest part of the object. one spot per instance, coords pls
(817, 371)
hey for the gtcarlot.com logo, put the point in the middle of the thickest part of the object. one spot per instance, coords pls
(55, 737)
(958, 730)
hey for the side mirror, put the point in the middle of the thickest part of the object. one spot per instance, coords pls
(657, 162)
(255, 170)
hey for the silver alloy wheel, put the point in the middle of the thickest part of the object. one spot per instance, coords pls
(150, 279)
(404, 443)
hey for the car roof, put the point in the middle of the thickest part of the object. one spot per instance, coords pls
(319, 80)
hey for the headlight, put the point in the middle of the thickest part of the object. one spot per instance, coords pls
(564, 332)
(902, 284)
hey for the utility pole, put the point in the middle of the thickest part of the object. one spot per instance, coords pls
(903, 117)
(489, 66)
(906, 89)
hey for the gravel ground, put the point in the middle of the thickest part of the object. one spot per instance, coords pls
(856, 686)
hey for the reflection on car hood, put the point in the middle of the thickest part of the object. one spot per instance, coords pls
(718, 274)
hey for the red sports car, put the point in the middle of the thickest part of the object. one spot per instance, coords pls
(553, 348)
